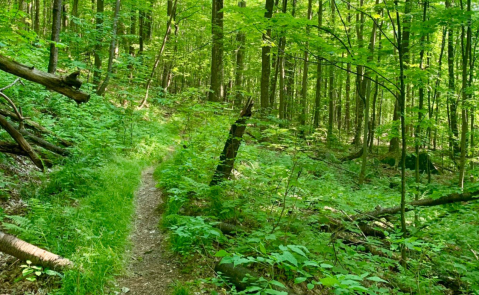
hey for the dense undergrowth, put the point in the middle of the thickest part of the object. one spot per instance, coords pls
(82, 208)
(283, 200)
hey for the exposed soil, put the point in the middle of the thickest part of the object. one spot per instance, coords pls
(152, 269)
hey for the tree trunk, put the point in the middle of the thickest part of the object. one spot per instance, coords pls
(99, 39)
(304, 89)
(241, 39)
(25, 251)
(367, 86)
(102, 88)
(56, 27)
(232, 145)
(451, 100)
(467, 51)
(216, 85)
(36, 23)
(265, 58)
(160, 54)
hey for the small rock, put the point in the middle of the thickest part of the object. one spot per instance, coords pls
(125, 290)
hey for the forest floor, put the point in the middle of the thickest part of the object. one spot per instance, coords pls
(151, 270)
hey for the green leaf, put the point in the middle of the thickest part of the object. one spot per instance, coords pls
(330, 281)
(310, 286)
(325, 265)
(276, 283)
(299, 280)
(262, 248)
(287, 256)
(222, 253)
(274, 292)
(376, 279)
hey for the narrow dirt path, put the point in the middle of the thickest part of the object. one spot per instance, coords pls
(152, 271)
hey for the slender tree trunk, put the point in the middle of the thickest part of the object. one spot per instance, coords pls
(403, 52)
(241, 39)
(99, 39)
(166, 77)
(360, 89)
(216, 88)
(158, 58)
(56, 27)
(36, 23)
(102, 88)
(304, 89)
(417, 132)
(265, 58)
(451, 93)
(367, 92)
(141, 33)
(467, 37)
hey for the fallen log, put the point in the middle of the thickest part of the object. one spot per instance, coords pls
(15, 149)
(228, 228)
(242, 277)
(25, 251)
(21, 142)
(449, 199)
(353, 156)
(232, 145)
(57, 83)
(11, 148)
(45, 144)
(35, 126)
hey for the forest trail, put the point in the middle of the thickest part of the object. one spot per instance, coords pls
(151, 270)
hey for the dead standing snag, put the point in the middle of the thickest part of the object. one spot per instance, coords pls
(232, 145)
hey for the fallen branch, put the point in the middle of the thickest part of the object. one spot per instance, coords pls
(25, 251)
(353, 156)
(11, 148)
(34, 125)
(452, 198)
(21, 142)
(51, 81)
(45, 144)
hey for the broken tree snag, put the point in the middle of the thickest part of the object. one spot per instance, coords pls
(59, 84)
(21, 142)
(452, 198)
(25, 251)
(232, 145)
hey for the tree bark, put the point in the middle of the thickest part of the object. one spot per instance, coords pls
(102, 88)
(59, 84)
(304, 89)
(467, 50)
(232, 145)
(100, 9)
(452, 89)
(25, 251)
(241, 39)
(158, 58)
(265, 58)
(56, 27)
(216, 86)
(36, 22)
(319, 74)
(21, 142)
(449, 199)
